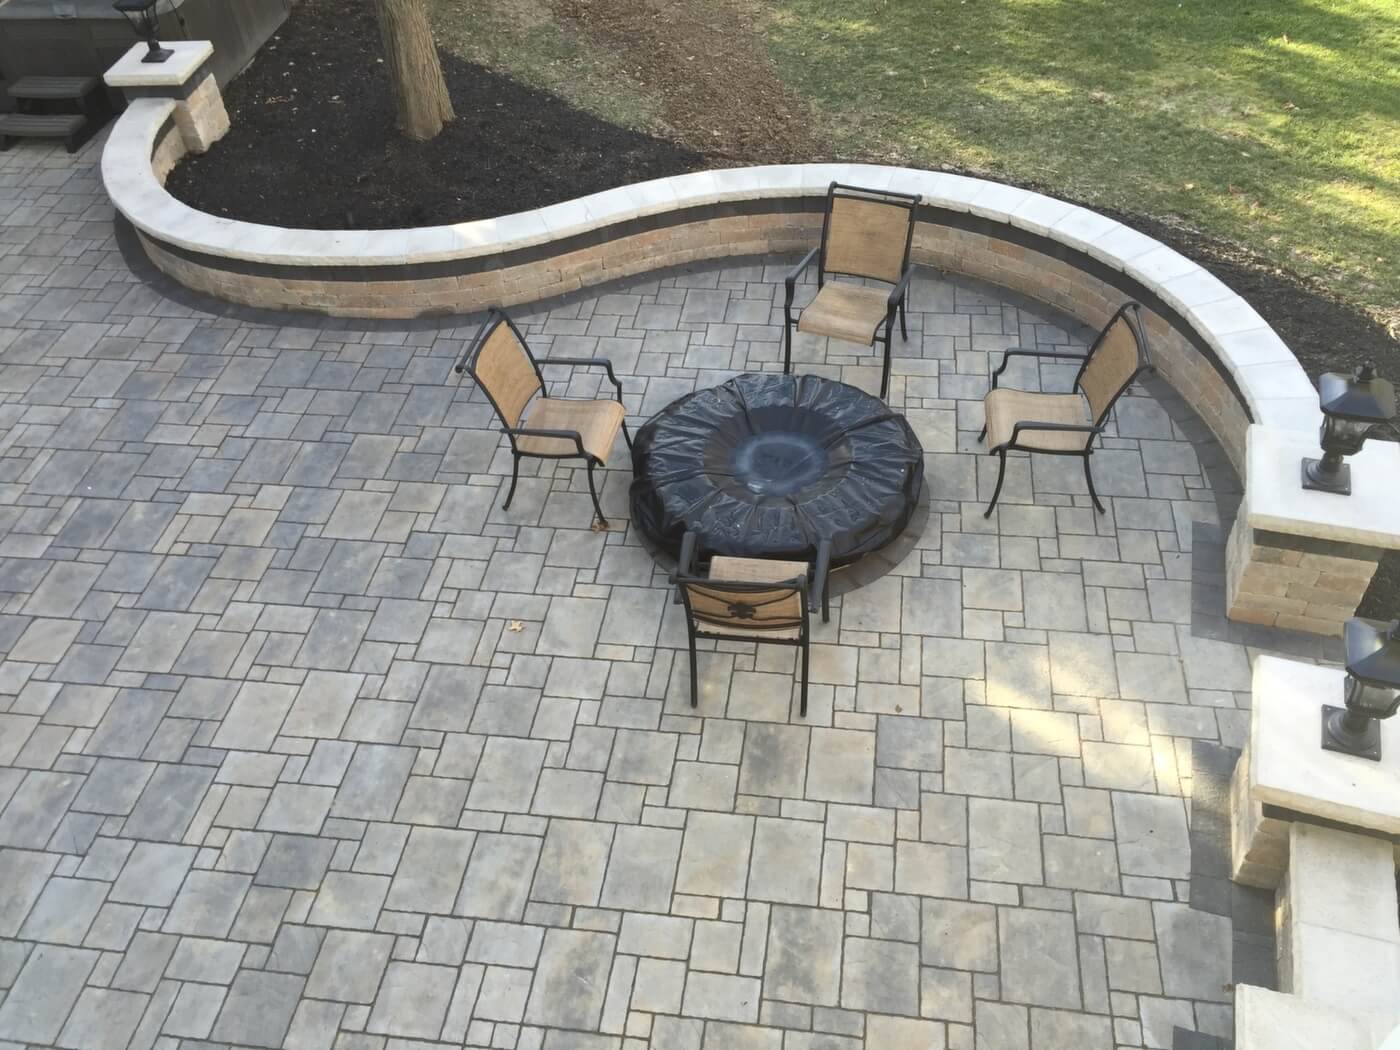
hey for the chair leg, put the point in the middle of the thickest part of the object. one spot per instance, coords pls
(626, 435)
(514, 477)
(802, 705)
(593, 491)
(1089, 477)
(787, 343)
(982, 435)
(903, 318)
(1001, 476)
(885, 378)
(694, 687)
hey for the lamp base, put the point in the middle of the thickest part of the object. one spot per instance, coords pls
(1336, 737)
(157, 54)
(1319, 481)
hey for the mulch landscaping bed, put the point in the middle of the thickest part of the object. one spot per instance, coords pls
(313, 145)
(313, 142)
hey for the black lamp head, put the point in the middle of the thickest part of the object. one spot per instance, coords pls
(146, 24)
(1352, 405)
(1372, 689)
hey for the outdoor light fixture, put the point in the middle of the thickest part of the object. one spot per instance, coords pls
(1372, 689)
(1352, 406)
(144, 20)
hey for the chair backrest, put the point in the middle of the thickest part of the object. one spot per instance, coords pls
(745, 606)
(1119, 355)
(867, 233)
(504, 368)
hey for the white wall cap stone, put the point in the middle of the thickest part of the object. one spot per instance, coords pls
(1343, 881)
(1039, 213)
(1392, 1041)
(1267, 1020)
(1277, 500)
(1081, 227)
(130, 71)
(996, 200)
(1287, 766)
(1257, 346)
(1162, 264)
(1287, 413)
(1277, 379)
(1121, 246)
(1226, 316)
(1196, 288)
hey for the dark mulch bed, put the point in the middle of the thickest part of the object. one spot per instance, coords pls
(313, 145)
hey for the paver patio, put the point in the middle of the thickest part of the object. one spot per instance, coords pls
(305, 743)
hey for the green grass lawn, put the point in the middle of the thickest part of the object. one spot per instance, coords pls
(1275, 123)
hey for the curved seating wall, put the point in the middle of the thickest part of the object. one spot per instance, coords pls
(1207, 341)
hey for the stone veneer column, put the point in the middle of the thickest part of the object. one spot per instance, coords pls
(184, 76)
(1321, 828)
(1302, 560)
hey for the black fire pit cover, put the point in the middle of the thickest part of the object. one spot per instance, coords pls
(766, 466)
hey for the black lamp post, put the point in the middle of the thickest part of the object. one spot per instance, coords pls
(1352, 406)
(144, 20)
(1372, 689)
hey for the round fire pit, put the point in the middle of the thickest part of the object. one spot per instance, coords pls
(767, 466)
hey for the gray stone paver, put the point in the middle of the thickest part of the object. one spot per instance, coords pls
(306, 743)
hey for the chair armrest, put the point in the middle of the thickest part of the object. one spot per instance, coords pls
(898, 292)
(1082, 428)
(790, 281)
(595, 362)
(685, 564)
(566, 435)
(1007, 355)
(820, 573)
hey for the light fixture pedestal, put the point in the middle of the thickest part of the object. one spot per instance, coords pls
(1349, 733)
(156, 53)
(1328, 474)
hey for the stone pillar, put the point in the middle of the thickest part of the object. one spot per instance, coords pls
(1322, 828)
(1338, 934)
(186, 77)
(1302, 560)
(1285, 777)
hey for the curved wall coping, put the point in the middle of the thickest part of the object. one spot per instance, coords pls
(1275, 387)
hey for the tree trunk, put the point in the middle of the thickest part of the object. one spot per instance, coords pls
(420, 92)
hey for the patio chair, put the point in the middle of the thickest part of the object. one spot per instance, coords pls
(868, 234)
(747, 600)
(1067, 424)
(545, 427)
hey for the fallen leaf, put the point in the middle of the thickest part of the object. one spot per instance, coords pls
(515, 626)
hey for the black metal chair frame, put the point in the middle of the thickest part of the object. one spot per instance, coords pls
(494, 319)
(809, 599)
(1129, 312)
(899, 294)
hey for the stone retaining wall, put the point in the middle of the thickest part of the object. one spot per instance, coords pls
(1207, 342)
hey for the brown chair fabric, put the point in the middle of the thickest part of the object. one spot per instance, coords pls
(841, 310)
(1005, 408)
(721, 611)
(505, 372)
(866, 238)
(597, 422)
(1111, 367)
